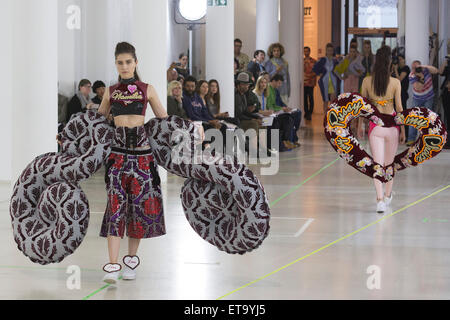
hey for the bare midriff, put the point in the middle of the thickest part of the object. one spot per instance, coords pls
(131, 121)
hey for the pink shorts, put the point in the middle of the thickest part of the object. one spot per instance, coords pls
(372, 125)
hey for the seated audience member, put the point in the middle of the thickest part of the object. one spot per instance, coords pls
(282, 122)
(248, 120)
(175, 100)
(213, 103)
(196, 110)
(247, 113)
(99, 89)
(261, 91)
(274, 102)
(80, 102)
(193, 104)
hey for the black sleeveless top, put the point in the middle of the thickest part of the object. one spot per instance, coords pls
(128, 97)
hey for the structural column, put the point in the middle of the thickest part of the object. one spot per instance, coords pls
(149, 31)
(291, 36)
(34, 81)
(267, 25)
(417, 28)
(219, 36)
(443, 27)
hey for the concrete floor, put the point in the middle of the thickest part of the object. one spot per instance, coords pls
(325, 238)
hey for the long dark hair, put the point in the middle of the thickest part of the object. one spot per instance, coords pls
(381, 74)
(215, 97)
(125, 47)
(199, 84)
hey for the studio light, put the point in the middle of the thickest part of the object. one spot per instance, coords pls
(192, 10)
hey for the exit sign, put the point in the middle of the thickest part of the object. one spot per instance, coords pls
(217, 3)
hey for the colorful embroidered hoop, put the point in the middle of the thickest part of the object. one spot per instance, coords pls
(350, 106)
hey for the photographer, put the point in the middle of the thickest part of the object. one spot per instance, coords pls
(181, 67)
(445, 72)
(423, 92)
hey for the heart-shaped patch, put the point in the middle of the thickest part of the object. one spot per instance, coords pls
(131, 261)
(112, 267)
(132, 88)
(350, 106)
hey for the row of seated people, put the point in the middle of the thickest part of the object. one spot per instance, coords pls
(200, 101)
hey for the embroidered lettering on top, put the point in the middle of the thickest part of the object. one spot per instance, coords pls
(119, 95)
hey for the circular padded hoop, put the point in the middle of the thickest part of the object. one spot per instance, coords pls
(223, 201)
(48, 209)
(350, 106)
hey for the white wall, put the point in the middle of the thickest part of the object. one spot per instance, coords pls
(6, 85)
(178, 41)
(245, 25)
(68, 68)
(88, 52)
(34, 81)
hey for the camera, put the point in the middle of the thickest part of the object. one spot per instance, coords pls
(420, 70)
(395, 60)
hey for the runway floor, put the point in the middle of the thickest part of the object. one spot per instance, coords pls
(326, 241)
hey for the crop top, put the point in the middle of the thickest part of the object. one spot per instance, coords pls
(128, 97)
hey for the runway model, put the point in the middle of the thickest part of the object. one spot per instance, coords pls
(222, 199)
(134, 203)
(384, 92)
(380, 93)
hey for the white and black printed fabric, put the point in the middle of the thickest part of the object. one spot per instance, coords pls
(223, 200)
(49, 211)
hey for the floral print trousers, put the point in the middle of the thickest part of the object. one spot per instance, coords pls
(134, 201)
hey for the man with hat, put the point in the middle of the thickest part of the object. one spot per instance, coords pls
(247, 116)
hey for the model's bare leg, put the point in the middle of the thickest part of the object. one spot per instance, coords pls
(113, 249)
(133, 245)
(377, 143)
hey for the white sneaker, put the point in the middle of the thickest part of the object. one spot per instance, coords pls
(131, 263)
(128, 273)
(112, 272)
(381, 206)
(388, 200)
